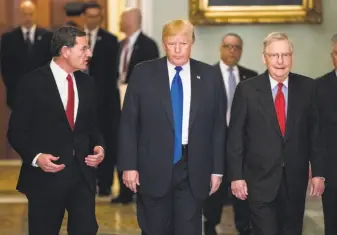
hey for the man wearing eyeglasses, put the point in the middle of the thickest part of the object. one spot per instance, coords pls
(232, 74)
(273, 135)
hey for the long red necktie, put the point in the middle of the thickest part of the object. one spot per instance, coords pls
(280, 107)
(70, 109)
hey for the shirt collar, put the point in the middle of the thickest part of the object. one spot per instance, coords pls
(133, 37)
(171, 67)
(59, 71)
(25, 30)
(225, 67)
(274, 83)
(92, 32)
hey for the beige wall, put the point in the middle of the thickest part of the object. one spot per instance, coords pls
(311, 42)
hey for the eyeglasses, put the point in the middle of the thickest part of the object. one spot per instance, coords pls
(231, 47)
(276, 56)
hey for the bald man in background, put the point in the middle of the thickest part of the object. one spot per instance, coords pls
(23, 49)
(135, 48)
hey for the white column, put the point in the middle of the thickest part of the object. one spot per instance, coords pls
(146, 7)
(115, 8)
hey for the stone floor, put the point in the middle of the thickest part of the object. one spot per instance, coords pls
(121, 220)
(113, 220)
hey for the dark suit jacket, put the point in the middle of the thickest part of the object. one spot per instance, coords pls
(327, 104)
(244, 74)
(38, 124)
(147, 130)
(16, 61)
(103, 67)
(256, 150)
(144, 49)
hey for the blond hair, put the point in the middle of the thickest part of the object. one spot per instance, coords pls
(276, 36)
(175, 27)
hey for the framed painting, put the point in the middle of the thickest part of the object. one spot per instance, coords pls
(202, 12)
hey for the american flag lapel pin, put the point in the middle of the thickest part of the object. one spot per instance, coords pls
(198, 77)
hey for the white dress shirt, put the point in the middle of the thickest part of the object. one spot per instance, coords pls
(185, 75)
(225, 75)
(130, 46)
(31, 33)
(60, 77)
(93, 37)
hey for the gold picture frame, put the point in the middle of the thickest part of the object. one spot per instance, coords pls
(202, 13)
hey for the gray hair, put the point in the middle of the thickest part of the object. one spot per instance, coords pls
(276, 36)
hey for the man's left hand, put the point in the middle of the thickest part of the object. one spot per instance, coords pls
(317, 186)
(97, 158)
(215, 183)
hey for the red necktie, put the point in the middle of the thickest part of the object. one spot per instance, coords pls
(71, 102)
(280, 107)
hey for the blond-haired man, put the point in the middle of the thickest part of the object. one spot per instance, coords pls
(172, 136)
(274, 129)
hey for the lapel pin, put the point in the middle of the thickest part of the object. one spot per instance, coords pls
(99, 38)
(39, 38)
(198, 77)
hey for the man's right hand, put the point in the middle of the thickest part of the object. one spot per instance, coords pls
(131, 180)
(239, 189)
(45, 162)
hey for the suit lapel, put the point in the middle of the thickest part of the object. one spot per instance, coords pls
(135, 50)
(242, 75)
(195, 91)
(164, 89)
(97, 42)
(55, 96)
(266, 100)
(79, 85)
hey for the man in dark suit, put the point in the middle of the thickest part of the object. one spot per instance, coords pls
(273, 134)
(54, 129)
(23, 49)
(172, 136)
(231, 74)
(103, 67)
(73, 10)
(135, 48)
(326, 95)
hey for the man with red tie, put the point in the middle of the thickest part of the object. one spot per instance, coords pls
(53, 128)
(273, 135)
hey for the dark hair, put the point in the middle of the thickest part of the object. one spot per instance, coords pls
(65, 36)
(89, 5)
(232, 34)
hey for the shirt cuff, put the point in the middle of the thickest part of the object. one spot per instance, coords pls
(35, 160)
(217, 175)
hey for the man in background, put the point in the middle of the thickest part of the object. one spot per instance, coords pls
(135, 48)
(73, 10)
(103, 67)
(231, 74)
(23, 49)
(326, 94)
